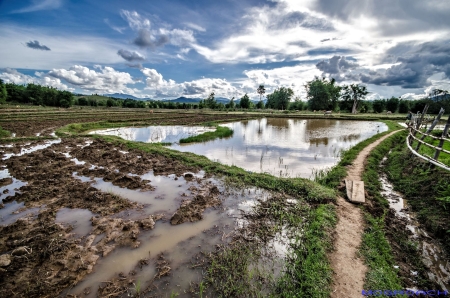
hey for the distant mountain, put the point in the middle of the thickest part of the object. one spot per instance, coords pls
(125, 96)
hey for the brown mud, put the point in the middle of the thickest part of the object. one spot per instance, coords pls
(41, 258)
(25, 124)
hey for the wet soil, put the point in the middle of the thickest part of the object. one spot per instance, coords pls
(41, 258)
(28, 124)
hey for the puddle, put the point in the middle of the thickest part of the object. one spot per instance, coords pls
(432, 254)
(13, 211)
(10, 189)
(79, 219)
(179, 243)
(32, 149)
(155, 134)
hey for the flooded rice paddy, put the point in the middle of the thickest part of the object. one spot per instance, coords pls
(155, 134)
(278, 146)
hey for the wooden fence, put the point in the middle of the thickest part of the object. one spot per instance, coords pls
(416, 126)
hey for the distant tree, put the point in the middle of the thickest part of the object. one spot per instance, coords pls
(322, 94)
(261, 90)
(210, 102)
(392, 104)
(354, 93)
(245, 102)
(280, 98)
(110, 102)
(379, 105)
(82, 101)
(231, 104)
(403, 106)
(260, 105)
(3, 92)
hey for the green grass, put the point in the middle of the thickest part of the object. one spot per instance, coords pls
(377, 246)
(220, 132)
(4, 133)
(425, 150)
(426, 190)
(308, 272)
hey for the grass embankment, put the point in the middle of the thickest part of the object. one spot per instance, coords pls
(385, 240)
(219, 133)
(426, 190)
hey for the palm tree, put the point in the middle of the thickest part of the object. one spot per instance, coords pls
(261, 90)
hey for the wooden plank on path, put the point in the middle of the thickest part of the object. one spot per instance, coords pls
(349, 186)
(355, 191)
(358, 192)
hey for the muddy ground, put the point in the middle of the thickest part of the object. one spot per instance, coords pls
(26, 124)
(40, 258)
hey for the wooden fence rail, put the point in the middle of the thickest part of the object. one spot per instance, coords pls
(414, 129)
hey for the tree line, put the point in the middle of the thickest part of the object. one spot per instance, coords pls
(35, 94)
(322, 94)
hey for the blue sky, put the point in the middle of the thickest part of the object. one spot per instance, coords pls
(166, 49)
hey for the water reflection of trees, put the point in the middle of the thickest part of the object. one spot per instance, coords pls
(278, 122)
(318, 124)
(349, 138)
(319, 141)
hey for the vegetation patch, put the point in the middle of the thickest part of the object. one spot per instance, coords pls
(308, 272)
(247, 267)
(427, 190)
(4, 133)
(219, 133)
(386, 242)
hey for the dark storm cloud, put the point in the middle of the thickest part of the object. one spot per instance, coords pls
(193, 88)
(336, 65)
(146, 40)
(130, 56)
(395, 17)
(37, 46)
(299, 19)
(415, 67)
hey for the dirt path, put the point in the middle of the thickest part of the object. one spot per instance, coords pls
(349, 269)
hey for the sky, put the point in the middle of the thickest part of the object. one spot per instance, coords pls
(164, 49)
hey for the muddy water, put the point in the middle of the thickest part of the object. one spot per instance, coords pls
(432, 254)
(179, 243)
(155, 134)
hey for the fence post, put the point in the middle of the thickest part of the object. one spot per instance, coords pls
(441, 141)
(441, 112)
(425, 109)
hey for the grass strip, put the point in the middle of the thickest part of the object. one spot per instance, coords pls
(380, 235)
(219, 133)
(308, 272)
